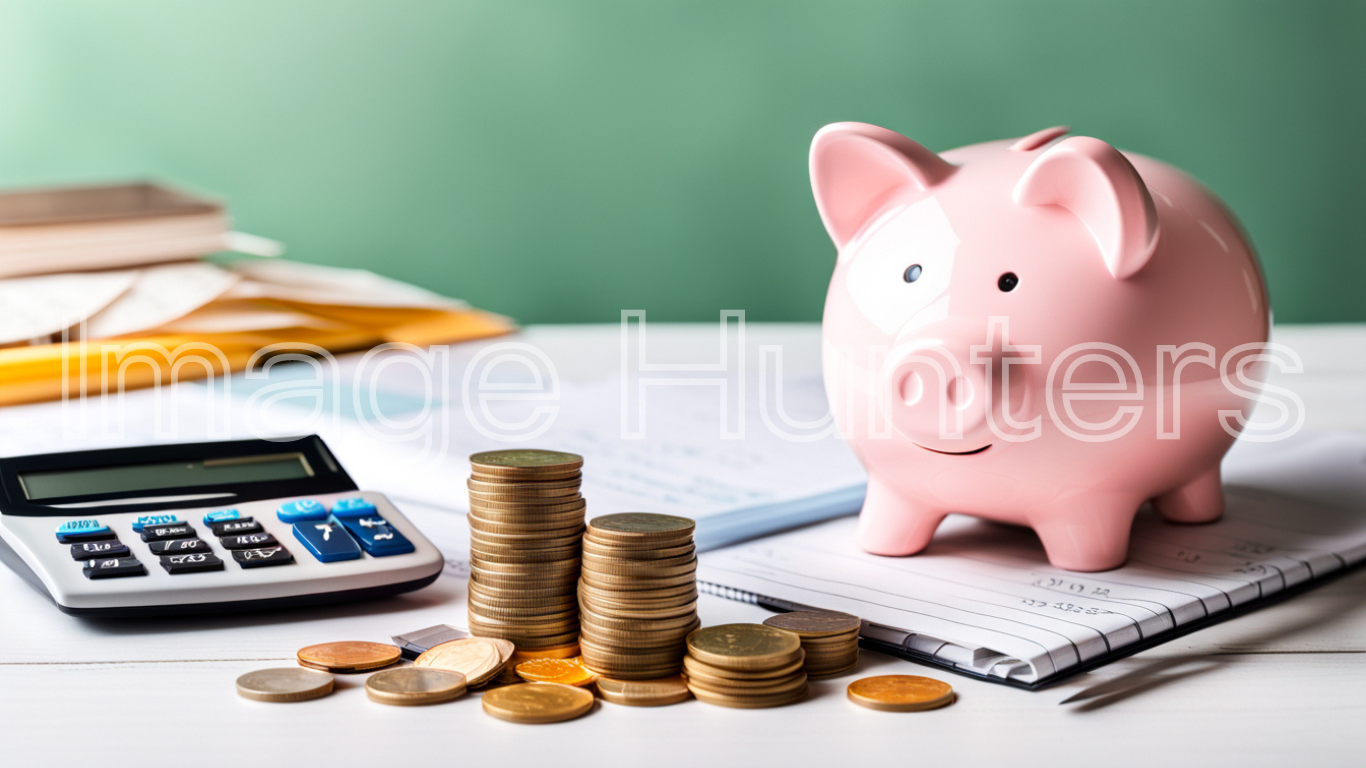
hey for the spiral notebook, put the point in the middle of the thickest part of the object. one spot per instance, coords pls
(983, 600)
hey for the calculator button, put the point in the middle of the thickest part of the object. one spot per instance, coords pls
(352, 507)
(222, 515)
(303, 509)
(248, 541)
(236, 527)
(328, 542)
(196, 562)
(262, 558)
(167, 532)
(88, 529)
(178, 546)
(146, 520)
(114, 568)
(377, 537)
(92, 549)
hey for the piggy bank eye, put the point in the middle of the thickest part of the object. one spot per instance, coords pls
(912, 273)
(1007, 282)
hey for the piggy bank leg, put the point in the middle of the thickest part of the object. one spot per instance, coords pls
(1199, 501)
(891, 524)
(1087, 533)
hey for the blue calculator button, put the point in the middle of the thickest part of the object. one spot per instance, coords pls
(303, 509)
(221, 516)
(351, 507)
(146, 520)
(88, 529)
(377, 537)
(327, 541)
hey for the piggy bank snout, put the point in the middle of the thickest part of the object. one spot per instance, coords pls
(935, 395)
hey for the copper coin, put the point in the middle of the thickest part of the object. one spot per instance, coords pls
(348, 657)
(900, 693)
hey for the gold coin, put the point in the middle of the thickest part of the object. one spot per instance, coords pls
(537, 702)
(775, 687)
(640, 525)
(827, 674)
(514, 615)
(815, 623)
(628, 583)
(565, 671)
(694, 668)
(598, 549)
(413, 686)
(550, 496)
(744, 646)
(612, 622)
(526, 460)
(532, 540)
(284, 684)
(511, 475)
(682, 593)
(567, 651)
(550, 528)
(533, 487)
(477, 658)
(748, 702)
(348, 657)
(657, 692)
(900, 693)
(525, 510)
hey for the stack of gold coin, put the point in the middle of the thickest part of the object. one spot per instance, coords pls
(637, 595)
(829, 638)
(526, 526)
(747, 666)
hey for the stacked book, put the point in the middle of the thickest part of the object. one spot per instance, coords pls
(89, 274)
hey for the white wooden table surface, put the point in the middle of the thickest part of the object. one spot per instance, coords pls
(1284, 686)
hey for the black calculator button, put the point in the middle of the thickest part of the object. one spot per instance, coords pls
(114, 568)
(236, 527)
(93, 549)
(178, 546)
(249, 541)
(167, 532)
(262, 558)
(195, 562)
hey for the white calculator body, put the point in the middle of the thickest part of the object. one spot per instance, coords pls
(203, 527)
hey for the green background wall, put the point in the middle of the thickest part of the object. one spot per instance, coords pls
(561, 161)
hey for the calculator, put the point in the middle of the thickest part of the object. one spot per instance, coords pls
(192, 528)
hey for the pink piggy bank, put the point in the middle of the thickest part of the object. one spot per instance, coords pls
(1046, 332)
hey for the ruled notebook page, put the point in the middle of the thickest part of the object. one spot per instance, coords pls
(984, 599)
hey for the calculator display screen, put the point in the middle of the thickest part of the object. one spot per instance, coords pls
(51, 484)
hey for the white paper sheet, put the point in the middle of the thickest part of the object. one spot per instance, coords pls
(34, 307)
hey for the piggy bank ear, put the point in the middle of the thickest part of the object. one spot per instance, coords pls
(857, 168)
(1099, 186)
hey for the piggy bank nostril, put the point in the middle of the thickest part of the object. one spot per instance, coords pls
(912, 389)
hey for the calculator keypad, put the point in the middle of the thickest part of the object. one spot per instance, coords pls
(376, 536)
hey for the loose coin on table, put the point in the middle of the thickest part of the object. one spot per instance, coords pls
(564, 671)
(284, 684)
(644, 693)
(348, 656)
(537, 702)
(413, 686)
(477, 658)
(900, 693)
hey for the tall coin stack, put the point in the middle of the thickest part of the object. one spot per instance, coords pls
(747, 666)
(526, 528)
(637, 595)
(829, 638)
